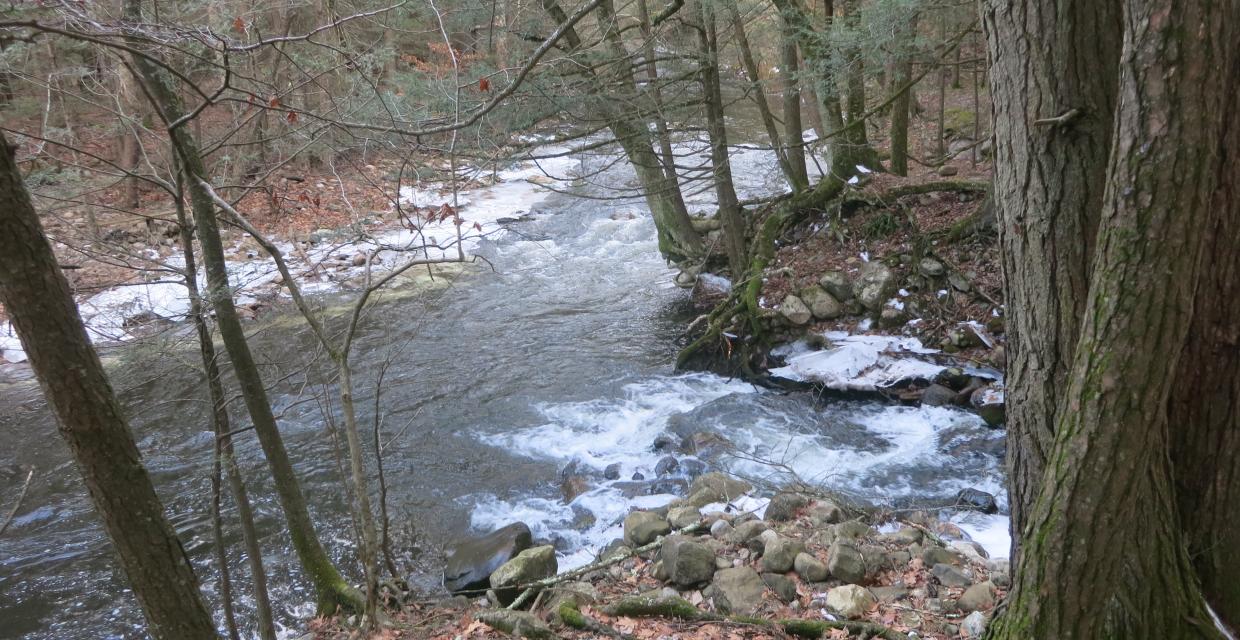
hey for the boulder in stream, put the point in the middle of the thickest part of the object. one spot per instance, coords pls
(471, 562)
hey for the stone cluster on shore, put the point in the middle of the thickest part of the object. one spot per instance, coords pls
(807, 559)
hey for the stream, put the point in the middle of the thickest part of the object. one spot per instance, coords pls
(558, 351)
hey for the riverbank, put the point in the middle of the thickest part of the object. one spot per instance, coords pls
(718, 565)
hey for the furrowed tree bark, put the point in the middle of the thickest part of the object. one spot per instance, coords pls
(40, 304)
(1104, 554)
(1204, 418)
(331, 591)
(1048, 192)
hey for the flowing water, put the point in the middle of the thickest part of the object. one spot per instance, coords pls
(562, 352)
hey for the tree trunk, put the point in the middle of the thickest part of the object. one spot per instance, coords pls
(729, 205)
(1105, 556)
(37, 297)
(222, 426)
(1048, 191)
(667, 156)
(678, 240)
(793, 129)
(818, 56)
(1205, 414)
(798, 180)
(330, 588)
(900, 107)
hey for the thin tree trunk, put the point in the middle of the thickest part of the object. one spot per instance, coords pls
(1048, 193)
(41, 307)
(1105, 556)
(678, 239)
(330, 588)
(222, 426)
(667, 156)
(782, 152)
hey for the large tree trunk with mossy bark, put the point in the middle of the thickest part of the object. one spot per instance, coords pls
(40, 305)
(1105, 555)
(331, 591)
(1049, 181)
(1205, 413)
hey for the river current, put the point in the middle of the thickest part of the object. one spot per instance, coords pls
(558, 351)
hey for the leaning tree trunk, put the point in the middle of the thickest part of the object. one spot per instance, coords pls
(797, 179)
(1104, 555)
(330, 588)
(1048, 191)
(678, 240)
(40, 305)
(223, 428)
(1205, 414)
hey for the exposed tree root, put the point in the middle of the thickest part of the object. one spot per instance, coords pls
(681, 609)
(739, 312)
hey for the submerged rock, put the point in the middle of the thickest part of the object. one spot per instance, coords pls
(937, 395)
(471, 562)
(977, 500)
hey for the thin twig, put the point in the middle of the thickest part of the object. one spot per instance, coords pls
(17, 505)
